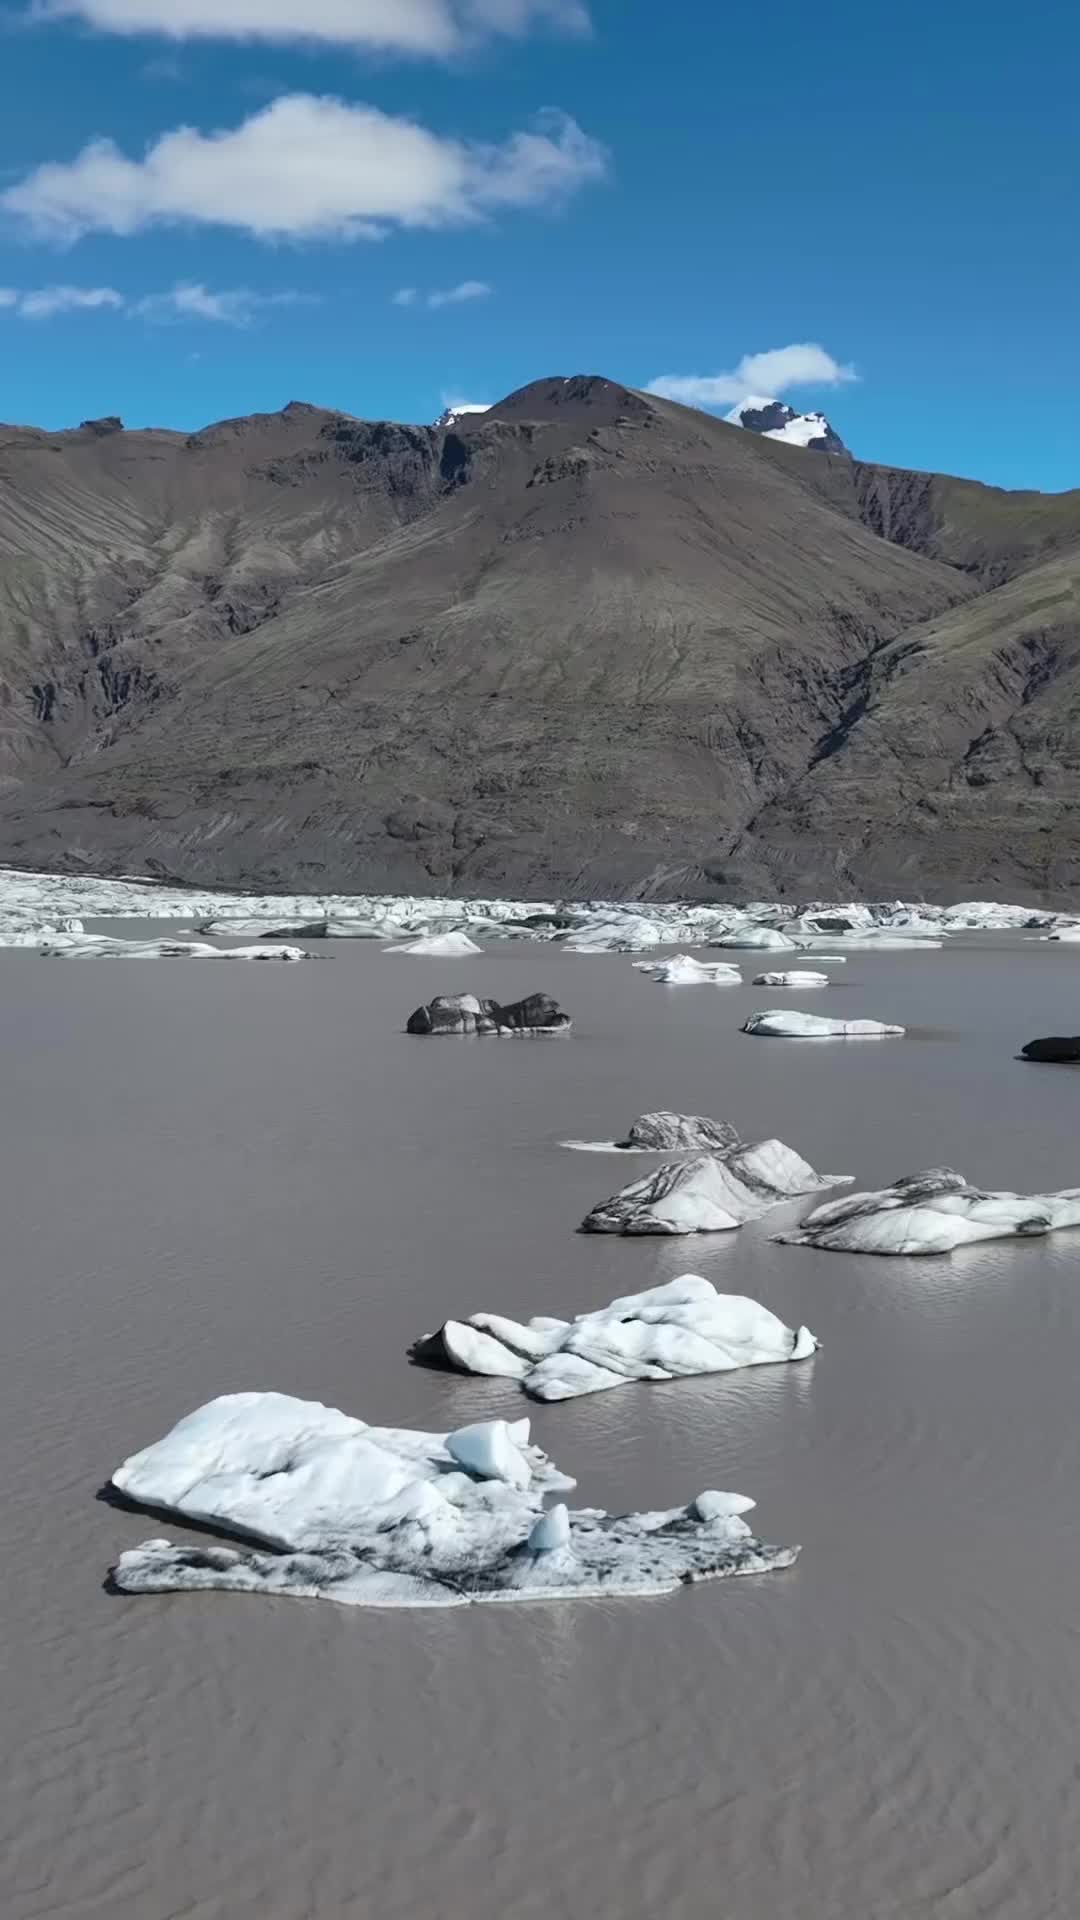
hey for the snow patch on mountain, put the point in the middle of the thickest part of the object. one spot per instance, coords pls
(775, 420)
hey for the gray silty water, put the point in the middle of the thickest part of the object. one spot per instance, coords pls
(225, 1177)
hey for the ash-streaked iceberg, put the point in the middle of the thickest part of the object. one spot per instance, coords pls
(710, 1193)
(798, 980)
(931, 1212)
(684, 971)
(666, 1133)
(785, 1024)
(387, 1517)
(463, 1013)
(668, 1332)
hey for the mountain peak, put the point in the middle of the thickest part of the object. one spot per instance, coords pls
(777, 421)
(576, 396)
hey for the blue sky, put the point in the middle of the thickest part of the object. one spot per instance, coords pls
(643, 191)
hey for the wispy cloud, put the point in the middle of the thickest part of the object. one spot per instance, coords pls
(307, 166)
(231, 307)
(42, 303)
(766, 374)
(460, 295)
(465, 291)
(432, 28)
(189, 300)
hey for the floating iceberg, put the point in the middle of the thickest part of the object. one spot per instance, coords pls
(1067, 935)
(229, 929)
(100, 946)
(666, 1133)
(780, 1025)
(931, 1212)
(752, 938)
(667, 1332)
(384, 1517)
(711, 1193)
(439, 945)
(791, 980)
(685, 971)
(463, 1013)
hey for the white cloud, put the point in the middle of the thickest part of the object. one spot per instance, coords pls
(9, 297)
(41, 303)
(404, 297)
(770, 373)
(412, 27)
(232, 307)
(306, 166)
(465, 291)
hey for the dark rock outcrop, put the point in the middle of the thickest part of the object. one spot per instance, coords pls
(464, 1013)
(1055, 1049)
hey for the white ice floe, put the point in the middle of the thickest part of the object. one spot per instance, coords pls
(782, 1024)
(667, 1332)
(752, 938)
(1067, 935)
(626, 934)
(100, 946)
(684, 971)
(711, 1193)
(385, 1517)
(666, 1133)
(931, 1212)
(439, 945)
(791, 979)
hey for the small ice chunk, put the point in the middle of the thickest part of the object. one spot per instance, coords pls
(489, 1450)
(552, 1531)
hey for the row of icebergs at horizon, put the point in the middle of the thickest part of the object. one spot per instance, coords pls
(35, 907)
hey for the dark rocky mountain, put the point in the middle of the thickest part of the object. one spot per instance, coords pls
(588, 641)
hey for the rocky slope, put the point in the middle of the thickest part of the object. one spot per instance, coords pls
(588, 641)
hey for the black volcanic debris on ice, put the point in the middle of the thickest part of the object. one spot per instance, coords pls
(588, 643)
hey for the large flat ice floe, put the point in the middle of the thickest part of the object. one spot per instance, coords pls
(684, 971)
(711, 1193)
(666, 1133)
(387, 1517)
(99, 946)
(784, 1024)
(463, 1013)
(931, 1212)
(669, 1332)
